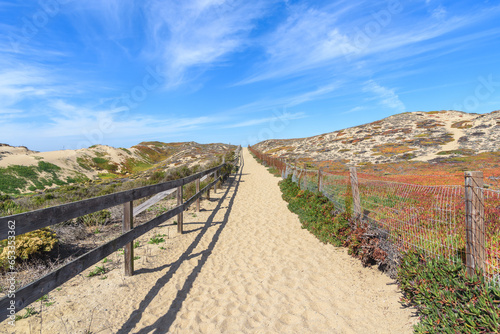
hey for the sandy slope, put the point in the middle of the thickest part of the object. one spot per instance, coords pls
(249, 269)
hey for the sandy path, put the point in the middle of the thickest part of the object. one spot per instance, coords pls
(267, 275)
(249, 269)
(450, 146)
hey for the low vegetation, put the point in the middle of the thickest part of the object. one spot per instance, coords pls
(28, 245)
(16, 178)
(447, 300)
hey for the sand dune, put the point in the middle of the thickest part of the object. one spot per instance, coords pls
(244, 265)
(409, 136)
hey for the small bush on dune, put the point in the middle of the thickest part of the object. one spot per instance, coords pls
(98, 218)
(28, 245)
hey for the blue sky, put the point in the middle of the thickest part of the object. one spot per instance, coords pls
(118, 72)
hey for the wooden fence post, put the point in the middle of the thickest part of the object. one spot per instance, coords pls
(299, 175)
(215, 184)
(180, 216)
(356, 203)
(128, 249)
(319, 179)
(222, 176)
(305, 176)
(197, 191)
(474, 222)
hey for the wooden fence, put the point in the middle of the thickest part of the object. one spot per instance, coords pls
(34, 220)
(475, 245)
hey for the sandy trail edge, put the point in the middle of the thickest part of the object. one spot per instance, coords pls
(249, 269)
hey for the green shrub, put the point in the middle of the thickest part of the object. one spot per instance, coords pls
(316, 213)
(10, 183)
(275, 171)
(28, 245)
(97, 271)
(15, 178)
(48, 167)
(98, 218)
(99, 161)
(157, 177)
(126, 150)
(156, 239)
(448, 301)
(6, 203)
(4, 198)
(84, 163)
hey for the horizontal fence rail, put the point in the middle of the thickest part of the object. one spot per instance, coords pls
(461, 223)
(33, 220)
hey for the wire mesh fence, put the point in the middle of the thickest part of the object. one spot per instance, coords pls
(492, 234)
(428, 218)
(493, 181)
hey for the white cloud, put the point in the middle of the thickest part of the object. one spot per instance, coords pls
(319, 93)
(287, 101)
(23, 83)
(70, 119)
(387, 97)
(355, 109)
(282, 117)
(439, 13)
(191, 36)
(335, 39)
(307, 39)
(81, 127)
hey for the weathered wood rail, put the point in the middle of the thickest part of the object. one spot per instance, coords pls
(33, 220)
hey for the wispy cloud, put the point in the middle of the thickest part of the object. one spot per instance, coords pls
(81, 127)
(192, 36)
(307, 39)
(286, 101)
(439, 13)
(282, 117)
(24, 83)
(355, 109)
(74, 119)
(387, 97)
(332, 38)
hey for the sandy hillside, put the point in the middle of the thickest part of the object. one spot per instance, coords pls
(244, 265)
(67, 166)
(412, 136)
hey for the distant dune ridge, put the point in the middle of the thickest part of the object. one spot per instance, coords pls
(415, 136)
(37, 170)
